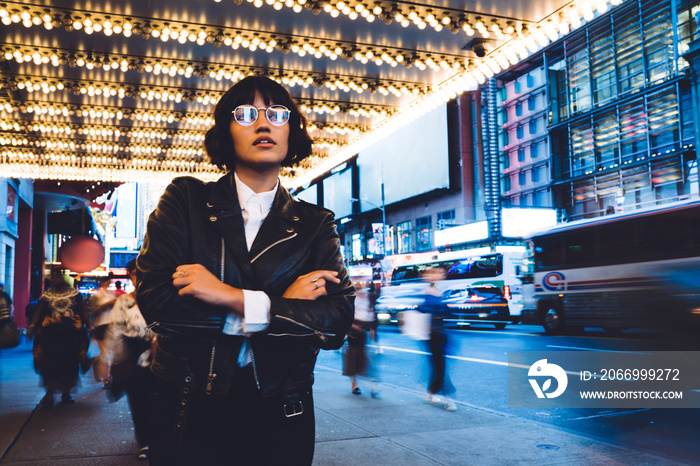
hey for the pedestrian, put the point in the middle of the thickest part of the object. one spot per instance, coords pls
(243, 285)
(9, 334)
(130, 342)
(6, 300)
(118, 289)
(440, 388)
(60, 332)
(356, 361)
(30, 310)
(100, 305)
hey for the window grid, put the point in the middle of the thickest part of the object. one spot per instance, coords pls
(403, 233)
(605, 140)
(603, 64)
(630, 63)
(657, 40)
(578, 66)
(582, 149)
(423, 233)
(445, 219)
(633, 131)
(627, 147)
(663, 120)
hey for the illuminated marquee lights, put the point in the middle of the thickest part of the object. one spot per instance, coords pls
(217, 71)
(115, 24)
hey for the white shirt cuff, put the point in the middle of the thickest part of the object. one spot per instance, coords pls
(256, 311)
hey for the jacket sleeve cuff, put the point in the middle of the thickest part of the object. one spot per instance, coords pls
(256, 311)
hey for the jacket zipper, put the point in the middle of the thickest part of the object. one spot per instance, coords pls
(322, 335)
(212, 376)
(250, 346)
(255, 369)
(221, 262)
(273, 245)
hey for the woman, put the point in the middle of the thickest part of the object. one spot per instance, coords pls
(440, 382)
(355, 360)
(244, 285)
(61, 339)
(129, 340)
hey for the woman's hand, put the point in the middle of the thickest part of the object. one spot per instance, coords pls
(196, 281)
(312, 285)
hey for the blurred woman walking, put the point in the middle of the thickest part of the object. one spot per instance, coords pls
(61, 340)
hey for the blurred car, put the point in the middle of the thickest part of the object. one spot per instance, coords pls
(481, 303)
(395, 299)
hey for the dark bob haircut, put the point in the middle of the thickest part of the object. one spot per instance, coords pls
(218, 141)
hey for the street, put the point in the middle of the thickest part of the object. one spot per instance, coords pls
(478, 369)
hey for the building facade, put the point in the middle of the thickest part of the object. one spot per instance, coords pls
(17, 195)
(602, 121)
(411, 222)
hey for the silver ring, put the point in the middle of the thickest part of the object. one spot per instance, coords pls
(315, 284)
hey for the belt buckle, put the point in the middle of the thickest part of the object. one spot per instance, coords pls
(294, 408)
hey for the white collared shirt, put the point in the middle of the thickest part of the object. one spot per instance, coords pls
(256, 304)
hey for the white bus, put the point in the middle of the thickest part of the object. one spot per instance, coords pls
(628, 270)
(503, 270)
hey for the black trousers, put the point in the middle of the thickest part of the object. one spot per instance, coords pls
(439, 380)
(138, 394)
(241, 428)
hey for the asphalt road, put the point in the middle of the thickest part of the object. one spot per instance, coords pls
(478, 370)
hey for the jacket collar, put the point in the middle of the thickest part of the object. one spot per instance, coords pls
(222, 205)
(225, 197)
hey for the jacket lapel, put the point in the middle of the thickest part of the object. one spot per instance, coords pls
(280, 225)
(224, 214)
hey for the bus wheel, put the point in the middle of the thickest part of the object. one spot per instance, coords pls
(500, 326)
(553, 321)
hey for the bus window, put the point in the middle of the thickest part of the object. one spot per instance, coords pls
(580, 248)
(616, 242)
(490, 266)
(665, 239)
(402, 274)
(549, 252)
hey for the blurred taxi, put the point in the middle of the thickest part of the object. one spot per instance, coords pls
(481, 303)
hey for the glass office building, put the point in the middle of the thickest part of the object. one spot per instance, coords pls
(602, 120)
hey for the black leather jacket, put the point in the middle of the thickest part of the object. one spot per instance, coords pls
(197, 222)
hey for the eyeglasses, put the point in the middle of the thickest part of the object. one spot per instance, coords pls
(246, 115)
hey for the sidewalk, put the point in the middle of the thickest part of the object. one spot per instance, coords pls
(399, 429)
